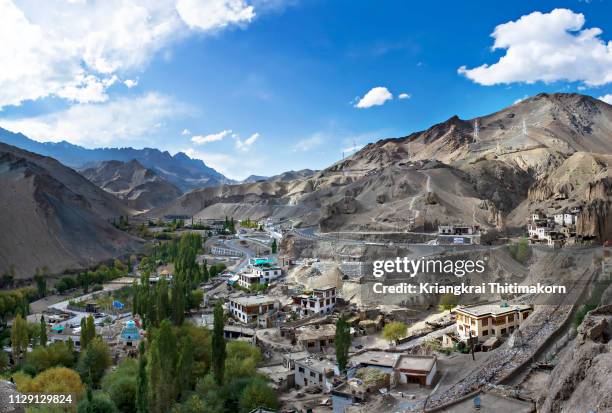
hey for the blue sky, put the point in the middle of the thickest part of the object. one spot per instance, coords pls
(264, 86)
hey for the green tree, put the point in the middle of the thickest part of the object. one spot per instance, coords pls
(94, 361)
(84, 337)
(342, 342)
(98, 403)
(394, 331)
(141, 382)
(4, 360)
(448, 302)
(258, 394)
(211, 394)
(41, 281)
(178, 302)
(19, 337)
(42, 358)
(120, 385)
(274, 246)
(218, 344)
(43, 331)
(164, 364)
(154, 379)
(185, 366)
(522, 251)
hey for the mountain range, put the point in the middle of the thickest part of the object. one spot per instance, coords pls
(548, 151)
(140, 187)
(285, 176)
(52, 216)
(180, 169)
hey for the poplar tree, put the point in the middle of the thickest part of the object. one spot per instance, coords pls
(154, 382)
(84, 336)
(185, 366)
(167, 346)
(19, 337)
(342, 342)
(178, 303)
(141, 381)
(43, 332)
(91, 329)
(218, 344)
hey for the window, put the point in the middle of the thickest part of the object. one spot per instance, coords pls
(312, 374)
(525, 314)
(485, 321)
(485, 332)
(503, 331)
(301, 369)
(511, 318)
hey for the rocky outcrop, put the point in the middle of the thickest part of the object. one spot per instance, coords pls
(581, 380)
(595, 221)
(600, 190)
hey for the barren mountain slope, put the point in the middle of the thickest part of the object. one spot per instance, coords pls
(140, 187)
(51, 216)
(486, 169)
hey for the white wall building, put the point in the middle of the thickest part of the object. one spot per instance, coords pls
(320, 301)
(314, 372)
(255, 309)
(490, 320)
(259, 275)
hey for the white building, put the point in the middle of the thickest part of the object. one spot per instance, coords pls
(259, 275)
(569, 219)
(490, 320)
(320, 301)
(254, 310)
(311, 371)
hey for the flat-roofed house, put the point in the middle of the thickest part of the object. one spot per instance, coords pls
(254, 309)
(321, 301)
(316, 338)
(484, 321)
(416, 369)
(314, 372)
(259, 275)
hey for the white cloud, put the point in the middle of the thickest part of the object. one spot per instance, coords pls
(87, 89)
(186, 132)
(247, 143)
(309, 143)
(606, 98)
(130, 83)
(404, 96)
(119, 122)
(547, 47)
(214, 137)
(71, 49)
(375, 97)
(214, 14)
